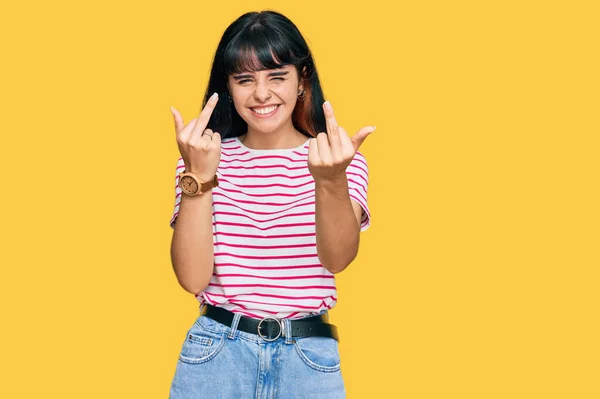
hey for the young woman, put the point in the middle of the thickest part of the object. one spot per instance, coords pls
(271, 196)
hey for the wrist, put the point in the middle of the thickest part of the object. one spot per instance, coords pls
(333, 182)
(337, 188)
(203, 176)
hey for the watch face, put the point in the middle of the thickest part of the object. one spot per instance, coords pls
(188, 185)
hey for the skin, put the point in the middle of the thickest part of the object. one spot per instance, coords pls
(337, 215)
(192, 249)
(263, 88)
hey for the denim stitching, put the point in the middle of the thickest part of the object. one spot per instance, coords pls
(234, 324)
(205, 358)
(199, 339)
(288, 331)
(311, 364)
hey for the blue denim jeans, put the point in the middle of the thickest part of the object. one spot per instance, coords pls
(220, 362)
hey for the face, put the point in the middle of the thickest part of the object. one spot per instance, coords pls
(265, 99)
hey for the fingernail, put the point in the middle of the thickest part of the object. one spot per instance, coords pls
(374, 127)
(172, 110)
(327, 105)
(214, 96)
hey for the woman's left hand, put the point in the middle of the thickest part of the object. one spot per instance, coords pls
(329, 154)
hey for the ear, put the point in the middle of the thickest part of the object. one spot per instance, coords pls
(301, 78)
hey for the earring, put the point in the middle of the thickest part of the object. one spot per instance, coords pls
(301, 95)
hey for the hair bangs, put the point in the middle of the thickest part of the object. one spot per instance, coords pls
(256, 50)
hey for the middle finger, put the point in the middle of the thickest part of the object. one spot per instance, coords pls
(205, 114)
(332, 128)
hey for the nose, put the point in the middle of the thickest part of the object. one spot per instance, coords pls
(262, 93)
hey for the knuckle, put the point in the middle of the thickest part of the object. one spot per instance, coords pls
(195, 142)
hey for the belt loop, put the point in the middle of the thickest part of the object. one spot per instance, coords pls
(288, 330)
(202, 305)
(234, 324)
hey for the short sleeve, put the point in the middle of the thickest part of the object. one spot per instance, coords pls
(180, 167)
(358, 180)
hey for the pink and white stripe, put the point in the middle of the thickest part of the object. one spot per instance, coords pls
(266, 262)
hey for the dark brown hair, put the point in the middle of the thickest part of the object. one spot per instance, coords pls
(257, 41)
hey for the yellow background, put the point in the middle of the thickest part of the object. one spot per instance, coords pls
(478, 277)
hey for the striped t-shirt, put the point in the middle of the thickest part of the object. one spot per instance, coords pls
(265, 253)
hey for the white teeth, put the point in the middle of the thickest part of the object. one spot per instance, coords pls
(264, 110)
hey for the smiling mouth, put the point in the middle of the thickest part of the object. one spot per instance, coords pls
(266, 111)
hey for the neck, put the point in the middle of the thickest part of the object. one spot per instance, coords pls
(285, 137)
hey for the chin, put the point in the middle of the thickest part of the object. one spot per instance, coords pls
(266, 128)
(265, 125)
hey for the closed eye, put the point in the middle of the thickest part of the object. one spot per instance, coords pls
(248, 80)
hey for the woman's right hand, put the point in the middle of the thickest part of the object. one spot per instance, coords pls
(200, 147)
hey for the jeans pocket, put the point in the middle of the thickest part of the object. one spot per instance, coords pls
(319, 353)
(201, 345)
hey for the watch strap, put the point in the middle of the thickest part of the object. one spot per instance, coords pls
(203, 186)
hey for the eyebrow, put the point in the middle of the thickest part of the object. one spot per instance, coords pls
(281, 73)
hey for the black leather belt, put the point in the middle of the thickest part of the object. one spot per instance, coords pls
(270, 328)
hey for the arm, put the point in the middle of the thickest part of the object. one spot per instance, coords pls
(337, 215)
(192, 245)
(192, 249)
(337, 219)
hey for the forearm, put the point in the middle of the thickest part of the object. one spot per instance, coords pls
(192, 249)
(336, 227)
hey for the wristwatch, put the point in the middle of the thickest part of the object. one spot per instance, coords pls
(191, 185)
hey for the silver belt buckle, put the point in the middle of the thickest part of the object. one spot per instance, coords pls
(278, 334)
